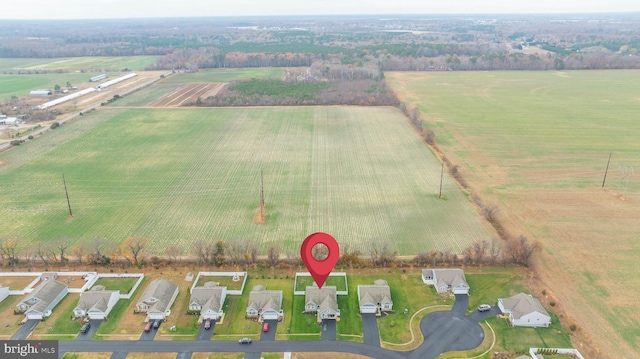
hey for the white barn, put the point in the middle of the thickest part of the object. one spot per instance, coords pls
(524, 311)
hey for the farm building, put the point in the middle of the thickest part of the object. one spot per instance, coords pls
(96, 303)
(446, 280)
(40, 93)
(9, 121)
(265, 304)
(60, 100)
(157, 299)
(116, 80)
(323, 301)
(39, 303)
(524, 311)
(98, 78)
(4, 292)
(208, 299)
(375, 298)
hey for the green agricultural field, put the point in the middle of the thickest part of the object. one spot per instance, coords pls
(182, 175)
(171, 83)
(21, 85)
(88, 64)
(536, 144)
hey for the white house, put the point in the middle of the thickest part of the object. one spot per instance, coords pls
(524, 311)
(96, 303)
(375, 298)
(265, 304)
(208, 299)
(157, 298)
(446, 280)
(4, 292)
(39, 303)
(323, 301)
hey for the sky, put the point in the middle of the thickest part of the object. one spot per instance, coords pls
(92, 9)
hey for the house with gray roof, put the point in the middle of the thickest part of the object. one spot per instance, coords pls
(41, 301)
(157, 298)
(323, 301)
(96, 303)
(208, 300)
(524, 311)
(4, 292)
(265, 304)
(446, 279)
(375, 298)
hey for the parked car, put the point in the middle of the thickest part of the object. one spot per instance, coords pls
(148, 326)
(265, 327)
(85, 328)
(207, 324)
(484, 307)
(245, 341)
(156, 324)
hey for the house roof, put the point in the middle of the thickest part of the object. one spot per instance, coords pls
(46, 292)
(262, 299)
(162, 291)
(522, 304)
(379, 292)
(97, 298)
(329, 303)
(451, 277)
(208, 297)
(319, 296)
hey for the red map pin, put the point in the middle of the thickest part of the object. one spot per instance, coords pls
(320, 269)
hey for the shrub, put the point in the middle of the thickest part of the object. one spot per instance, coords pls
(30, 137)
(55, 125)
(573, 327)
(552, 303)
(15, 143)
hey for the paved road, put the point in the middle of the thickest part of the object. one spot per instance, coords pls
(328, 329)
(95, 323)
(25, 329)
(166, 346)
(480, 316)
(370, 329)
(271, 334)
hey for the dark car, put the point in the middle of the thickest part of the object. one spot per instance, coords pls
(207, 324)
(156, 324)
(85, 328)
(245, 341)
(148, 326)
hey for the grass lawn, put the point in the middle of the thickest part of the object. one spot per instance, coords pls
(487, 285)
(21, 85)
(518, 339)
(124, 285)
(186, 325)
(87, 355)
(9, 322)
(234, 322)
(349, 327)
(60, 321)
(17, 283)
(336, 281)
(223, 281)
(121, 320)
(303, 323)
(87, 63)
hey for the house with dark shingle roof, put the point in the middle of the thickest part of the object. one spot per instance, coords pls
(157, 298)
(265, 304)
(525, 311)
(375, 298)
(96, 303)
(445, 280)
(208, 299)
(323, 301)
(39, 303)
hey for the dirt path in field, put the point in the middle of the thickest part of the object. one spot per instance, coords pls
(187, 94)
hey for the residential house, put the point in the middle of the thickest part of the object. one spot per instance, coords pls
(44, 297)
(445, 280)
(375, 298)
(96, 303)
(265, 304)
(208, 300)
(323, 301)
(157, 298)
(4, 292)
(525, 311)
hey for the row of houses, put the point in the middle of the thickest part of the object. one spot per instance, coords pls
(208, 300)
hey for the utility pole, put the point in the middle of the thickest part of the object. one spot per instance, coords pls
(67, 193)
(441, 176)
(261, 196)
(605, 171)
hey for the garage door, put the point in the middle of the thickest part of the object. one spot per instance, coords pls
(96, 315)
(155, 316)
(270, 316)
(34, 316)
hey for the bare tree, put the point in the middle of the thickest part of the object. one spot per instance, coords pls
(173, 252)
(421, 259)
(8, 250)
(134, 246)
(495, 250)
(79, 251)
(479, 250)
(273, 255)
(350, 257)
(198, 251)
(62, 245)
(381, 252)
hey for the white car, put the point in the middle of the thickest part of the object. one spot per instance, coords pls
(484, 307)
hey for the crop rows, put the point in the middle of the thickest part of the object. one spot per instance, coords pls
(178, 176)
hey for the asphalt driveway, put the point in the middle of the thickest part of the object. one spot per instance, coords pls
(119, 355)
(271, 334)
(370, 329)
(205, 334)
(148, 335)
(328, 329)
(25, 329)
(95, 323)
(461, 304)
